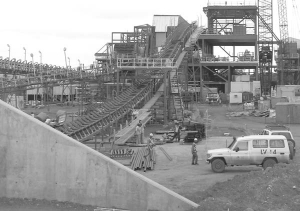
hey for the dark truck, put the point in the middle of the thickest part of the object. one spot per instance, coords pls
(213, 98)
(190, 130)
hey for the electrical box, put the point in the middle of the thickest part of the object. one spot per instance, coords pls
(235, 97)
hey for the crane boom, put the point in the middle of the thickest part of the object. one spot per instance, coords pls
(283, 21)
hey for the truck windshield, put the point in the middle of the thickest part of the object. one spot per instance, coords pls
(212, 95)
(232, 143)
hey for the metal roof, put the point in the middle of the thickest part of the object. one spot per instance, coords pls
(162, 21)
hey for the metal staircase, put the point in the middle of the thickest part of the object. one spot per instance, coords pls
(192, 41)
(174, 45)
(176, 94)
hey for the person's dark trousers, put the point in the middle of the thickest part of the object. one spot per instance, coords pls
(149, 153)
(176, 135)
(195, 159)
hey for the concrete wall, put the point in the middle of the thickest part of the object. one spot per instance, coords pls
(37, 161)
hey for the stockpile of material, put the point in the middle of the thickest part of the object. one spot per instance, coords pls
(265, 113)
(138, 161)
(121, 153)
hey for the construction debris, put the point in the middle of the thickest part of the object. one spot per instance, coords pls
(265, 113)
(138, 160)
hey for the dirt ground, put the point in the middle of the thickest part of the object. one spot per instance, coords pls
(238, 188)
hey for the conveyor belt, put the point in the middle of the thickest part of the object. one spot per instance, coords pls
(102, 116)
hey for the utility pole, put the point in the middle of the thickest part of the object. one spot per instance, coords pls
(40, 57)
(25, 53)
(32, 64)
(69, 63)
(65, 49)
(8, 51)
(8, 54)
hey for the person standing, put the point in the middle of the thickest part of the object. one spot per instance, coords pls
(149, 150)
(142, 131)
(177, 131)
(138, 131)
(194, 153)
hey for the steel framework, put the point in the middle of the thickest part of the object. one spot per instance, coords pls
(265, 33)
(288, 58)
(283, 21)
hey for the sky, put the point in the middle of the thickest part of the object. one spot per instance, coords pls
(82, 27)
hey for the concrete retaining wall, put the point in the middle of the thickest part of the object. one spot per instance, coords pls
(37, 161)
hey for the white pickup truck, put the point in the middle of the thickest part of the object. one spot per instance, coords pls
(259, 150)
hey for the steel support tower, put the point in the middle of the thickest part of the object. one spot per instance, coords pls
(265, 37)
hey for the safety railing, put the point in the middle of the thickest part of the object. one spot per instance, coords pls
(232, 3)
(18, 67)
(287, 56)
(226, 59)
(145, 63)
(51, 77)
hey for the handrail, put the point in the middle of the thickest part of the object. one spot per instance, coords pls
(230, 3)
(24, 67)
(145, 63)
(180, 96)
(227, 59)
(53, 77)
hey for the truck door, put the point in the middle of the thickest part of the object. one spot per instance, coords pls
(278, 150)
(258, 151)
(240, 154)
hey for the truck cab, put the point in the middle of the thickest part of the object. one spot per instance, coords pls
(259, 150)
(213, 98)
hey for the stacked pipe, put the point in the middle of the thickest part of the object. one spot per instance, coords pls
(138, 161)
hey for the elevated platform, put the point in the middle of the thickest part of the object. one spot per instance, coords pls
(229, 40)
(239, 64)
(144, 114)
(39, 162)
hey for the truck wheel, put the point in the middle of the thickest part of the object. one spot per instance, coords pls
(269, 163)
(218, 165)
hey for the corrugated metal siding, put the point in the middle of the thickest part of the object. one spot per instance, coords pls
(162, 21)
